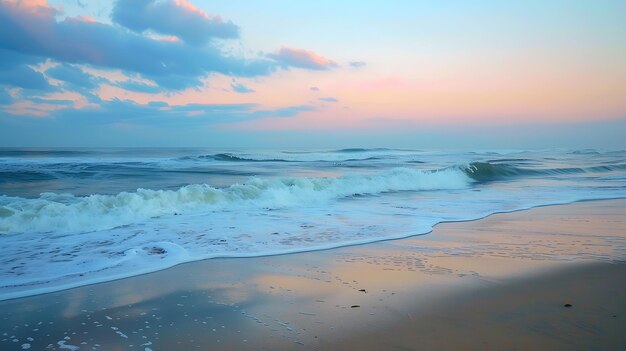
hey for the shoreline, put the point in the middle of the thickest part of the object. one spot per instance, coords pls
(412, 293)
(95, 281)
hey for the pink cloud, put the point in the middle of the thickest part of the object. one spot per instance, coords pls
(86, 19)
(32, 109)
(302, 58)
(31, 5)
(190, 8)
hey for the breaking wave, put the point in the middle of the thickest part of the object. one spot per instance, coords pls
(53, 212)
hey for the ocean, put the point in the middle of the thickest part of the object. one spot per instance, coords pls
(71, 217)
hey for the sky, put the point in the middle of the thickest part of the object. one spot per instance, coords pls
(274, 74)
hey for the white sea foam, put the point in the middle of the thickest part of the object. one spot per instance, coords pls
(68, 213)
(58, 241)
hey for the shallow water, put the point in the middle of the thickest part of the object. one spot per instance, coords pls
(76, 216)
(304, 301)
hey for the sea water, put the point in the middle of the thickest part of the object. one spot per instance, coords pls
(71, 217)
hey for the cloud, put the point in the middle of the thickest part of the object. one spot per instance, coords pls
(179, 18)
(160, 113)
(63, 107)
(240, 88)
(328, 99)
(33, 30)
(15, 71)
(140, 87)
(283, 112)
(177, 81)
(314, 89)
(39, 45)
(357, 64)
(67, 103)
(11, 59)
(126, 123)
(24, 77)
(73, 76)
(302, 58)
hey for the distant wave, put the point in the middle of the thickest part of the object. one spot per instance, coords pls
(21, 176)
(234, 158)
(377, 149)
(353, 150)
(584, 152)
(286, 157)
(50, 171)
(41, 153)
(228, 157)
(487, 171)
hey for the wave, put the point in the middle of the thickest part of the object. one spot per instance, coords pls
(234, 158)
(24, 176)
(355, 150)
(283, 157)
(68, 213)
(228, 157)
(51, 212)
(584, 152)
(36, 153)
(489, 171)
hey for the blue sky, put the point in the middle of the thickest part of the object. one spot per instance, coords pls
(440, 74)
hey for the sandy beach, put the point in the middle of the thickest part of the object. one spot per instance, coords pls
(549, 278)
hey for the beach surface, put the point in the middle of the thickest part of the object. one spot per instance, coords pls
(547, 278)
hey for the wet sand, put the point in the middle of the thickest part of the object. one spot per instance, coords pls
(497, 283)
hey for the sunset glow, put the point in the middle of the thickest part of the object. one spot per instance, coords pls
(409, 69)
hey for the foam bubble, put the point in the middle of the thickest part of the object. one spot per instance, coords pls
(62, 345)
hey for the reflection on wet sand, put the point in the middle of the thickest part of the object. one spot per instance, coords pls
(372, 296)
